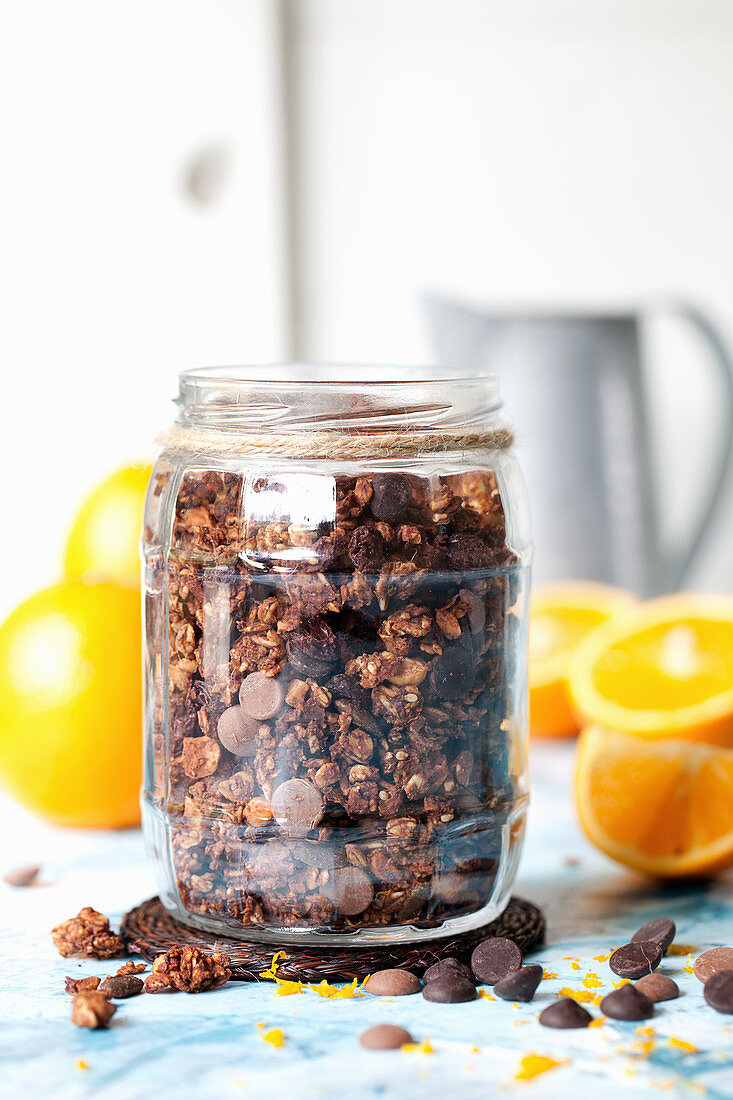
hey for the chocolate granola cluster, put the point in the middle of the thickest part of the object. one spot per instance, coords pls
(340, 705)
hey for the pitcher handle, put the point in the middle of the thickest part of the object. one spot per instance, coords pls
(677, 564)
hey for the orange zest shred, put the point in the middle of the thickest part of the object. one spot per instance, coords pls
(681, 1044)
(334, 992)
(548, 973)
(271, 972)
(645, 1048)
(81, 1065)
(582, 996)
(286, 988)
(532, 1065)
(646, 1031)
(418, 1048)
(592, 981)
(274, 1036)
(599, 1021)
(483, 992)
(602, 958)
(689, 968)
(617, 985)
(681, 949)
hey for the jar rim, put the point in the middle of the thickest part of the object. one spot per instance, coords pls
(335, 374)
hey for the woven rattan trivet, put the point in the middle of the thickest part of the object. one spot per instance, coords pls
(149, 929)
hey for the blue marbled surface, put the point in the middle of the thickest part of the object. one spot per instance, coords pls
(209, 1045)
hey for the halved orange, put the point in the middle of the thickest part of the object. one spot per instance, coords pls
(662, 807)
(662, 669)
(561, 616)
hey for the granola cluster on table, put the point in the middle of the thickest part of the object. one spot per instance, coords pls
(337, 751)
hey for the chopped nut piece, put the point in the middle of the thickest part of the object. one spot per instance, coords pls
(189, 970)
(81, 985)
(91, 1009)
(88, 935)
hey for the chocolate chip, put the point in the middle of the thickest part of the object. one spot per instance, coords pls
(449, 988)
(237, 731)
(392, 983)
(520, 985)
(119, 986)
(297, 806)
(439, 969)
(710, 962)
(718, 991)
(21, 876)
(661, 931)
(390, 496)
(452, 674)
(658, 987)
(633, 960)
(385, 1037)
(494, 958)
(261, 696)
(627, 1003)
(350, 890)
(565, 1013)
(476, 613)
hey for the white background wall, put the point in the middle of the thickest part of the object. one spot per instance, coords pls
(564, 151)
(112, 279)
(552, 150)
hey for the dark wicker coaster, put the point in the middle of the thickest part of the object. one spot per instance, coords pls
(149, 930)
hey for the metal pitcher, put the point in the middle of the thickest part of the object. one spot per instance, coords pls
(576, 384)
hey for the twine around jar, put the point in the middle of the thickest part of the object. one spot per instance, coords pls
(335, 444)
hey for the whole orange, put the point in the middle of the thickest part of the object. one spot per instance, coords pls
(70, 704)
(104, 540)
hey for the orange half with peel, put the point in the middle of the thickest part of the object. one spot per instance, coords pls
(662, 669)
(661, 807)
(562, 615)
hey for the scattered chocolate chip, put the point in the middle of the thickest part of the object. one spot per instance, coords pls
(351, 891)
(449, 988)
(438, 969)
(520, 985)
(297, 806)
(636, 959)
(565, 1013)
(390, 496)
(627, 1003)
(120, 986)
(392, 983)
(21, 876)
(494, 958)
(710, 962)
(237, 731)
(658, 987)
(385, 1037)
(718, 991)
(661, 931)
(453, 673)
(261, 696)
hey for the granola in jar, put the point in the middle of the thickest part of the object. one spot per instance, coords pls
(335, 667)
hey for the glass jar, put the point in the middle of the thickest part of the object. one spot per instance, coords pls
(336, 567)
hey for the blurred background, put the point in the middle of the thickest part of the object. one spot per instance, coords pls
(212, 181)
